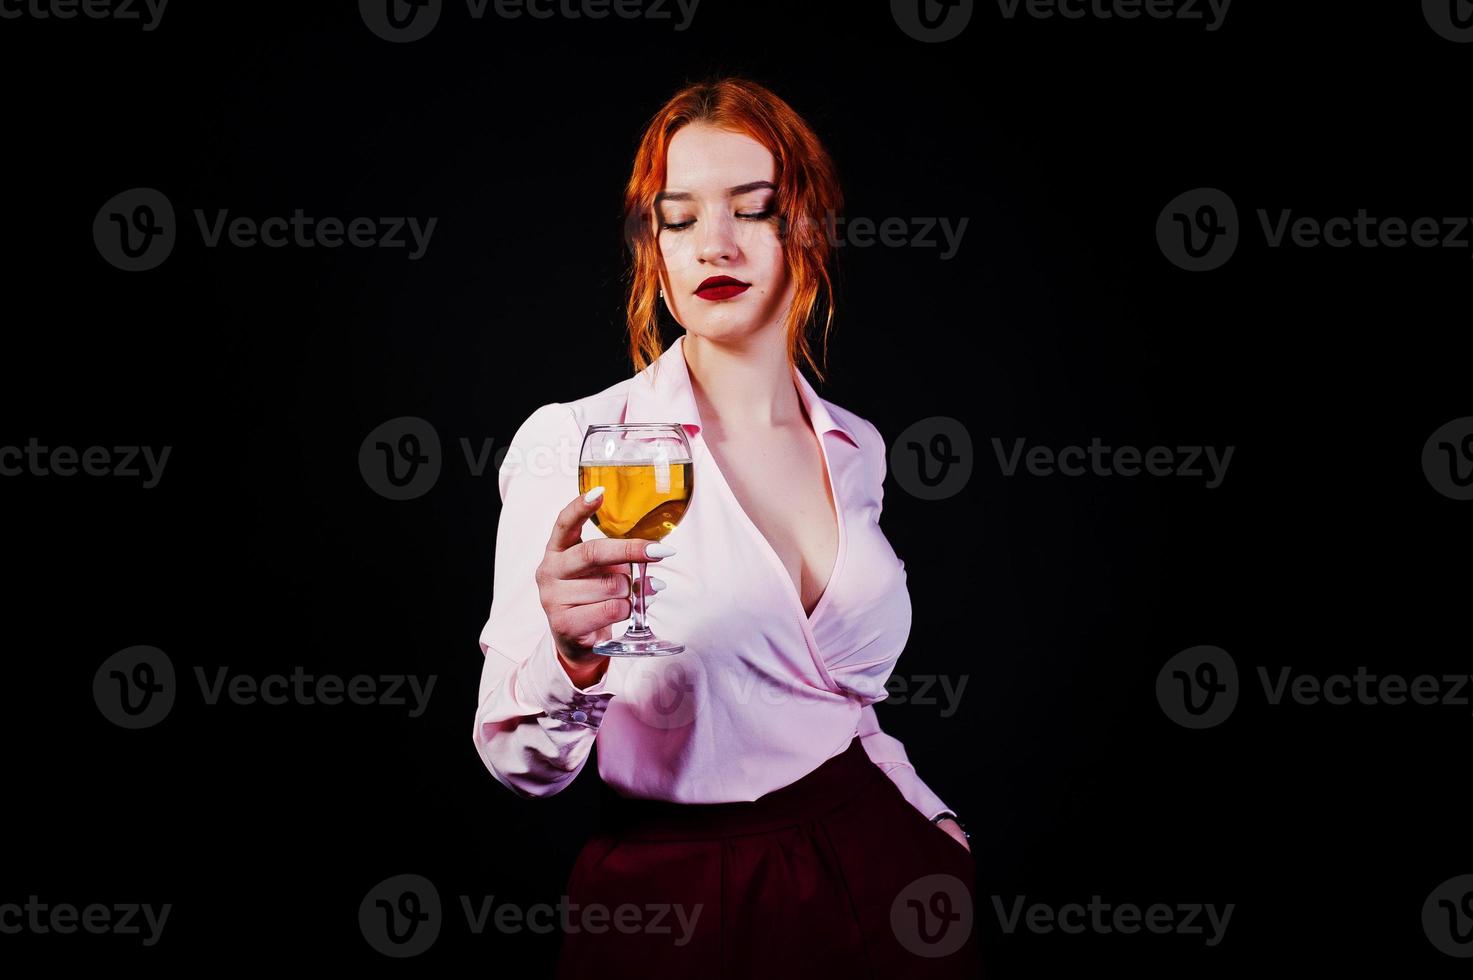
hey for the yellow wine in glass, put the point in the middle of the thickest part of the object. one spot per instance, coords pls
(648, 474)
(637, 503)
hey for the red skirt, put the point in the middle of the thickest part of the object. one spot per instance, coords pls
(835, 875)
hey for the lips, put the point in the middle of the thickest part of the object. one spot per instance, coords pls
(721, 287)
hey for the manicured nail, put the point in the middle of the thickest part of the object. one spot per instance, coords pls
(593, 495)
(659, 550)
(656, 584)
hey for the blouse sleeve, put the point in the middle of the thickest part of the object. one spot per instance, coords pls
(884, 750)
(534, 728)
(888, 753)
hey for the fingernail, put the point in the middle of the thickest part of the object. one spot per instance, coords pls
(656, 584)
(659, 550)
(592, 495)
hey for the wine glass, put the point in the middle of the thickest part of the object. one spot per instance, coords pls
(647, 474)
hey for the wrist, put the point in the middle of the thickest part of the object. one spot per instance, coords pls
(584, 675)
(948, 815)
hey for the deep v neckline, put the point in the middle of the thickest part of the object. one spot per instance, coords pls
(792, 587)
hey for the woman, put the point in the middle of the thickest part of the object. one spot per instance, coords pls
(754, 818)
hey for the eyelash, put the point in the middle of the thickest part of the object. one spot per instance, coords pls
(762, 215)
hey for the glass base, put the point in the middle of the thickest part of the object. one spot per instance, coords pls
(633, 644)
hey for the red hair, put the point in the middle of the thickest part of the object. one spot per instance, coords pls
(807, 199)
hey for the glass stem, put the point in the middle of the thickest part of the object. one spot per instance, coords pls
(639, 594)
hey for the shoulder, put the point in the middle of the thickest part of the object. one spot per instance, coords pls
(549, 439)
(554, 419)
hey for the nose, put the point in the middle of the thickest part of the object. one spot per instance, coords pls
(718, 241)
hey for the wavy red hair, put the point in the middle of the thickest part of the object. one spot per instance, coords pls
(808, 198)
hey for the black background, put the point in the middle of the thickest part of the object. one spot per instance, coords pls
(1059, 320)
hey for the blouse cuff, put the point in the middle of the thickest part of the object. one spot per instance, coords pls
(552, 688)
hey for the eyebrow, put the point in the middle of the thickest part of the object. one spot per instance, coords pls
(739, 189)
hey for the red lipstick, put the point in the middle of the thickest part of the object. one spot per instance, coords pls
(721, 287)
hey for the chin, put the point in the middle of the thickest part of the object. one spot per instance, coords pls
(722, 328)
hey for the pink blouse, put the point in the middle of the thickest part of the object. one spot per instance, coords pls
(763, 693)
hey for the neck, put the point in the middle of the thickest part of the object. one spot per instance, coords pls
(747, 384)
